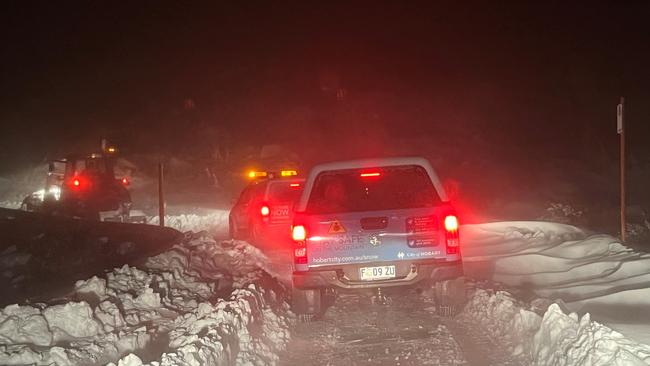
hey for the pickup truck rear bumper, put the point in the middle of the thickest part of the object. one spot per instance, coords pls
(335, 277)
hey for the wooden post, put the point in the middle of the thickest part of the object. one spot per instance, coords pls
(620, 127)
(161, 197)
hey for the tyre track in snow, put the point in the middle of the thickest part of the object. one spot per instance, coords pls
(406, 332)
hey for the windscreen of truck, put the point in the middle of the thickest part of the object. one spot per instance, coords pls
(375, 189)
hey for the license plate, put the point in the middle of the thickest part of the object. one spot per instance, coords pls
(376, 273)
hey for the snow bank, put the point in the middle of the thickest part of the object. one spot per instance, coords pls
(556, 338)
(590, 273)
(567, 339)
(201, 303)
(232, 262)
(557, 261)
(11, 204)
(214, 222)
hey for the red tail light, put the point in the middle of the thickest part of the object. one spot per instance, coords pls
(299, 235)
(370, 174)
(451, 234)
(265, 211)
(451, 223)
(300, 254)
(125, 181)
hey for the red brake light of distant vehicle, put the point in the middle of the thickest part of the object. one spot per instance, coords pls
(76, 183)
(294, 185)
(125, 181)
(451, 234)
(299, 233)
(369, 174)
(265, 211)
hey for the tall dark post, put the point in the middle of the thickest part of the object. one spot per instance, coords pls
(620, 124)
(161, 197)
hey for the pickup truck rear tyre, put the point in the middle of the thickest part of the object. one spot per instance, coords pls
(449, 296)
(231, 229)
(234, 231)
(255, 235)
(328, 298)
(306, 303)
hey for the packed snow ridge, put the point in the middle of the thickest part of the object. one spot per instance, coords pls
(556, 338)
(201, 303)
(566, 272)
(215, 222)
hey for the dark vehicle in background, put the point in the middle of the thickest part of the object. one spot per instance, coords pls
(371, 225)
(85, 186)
(264, 210)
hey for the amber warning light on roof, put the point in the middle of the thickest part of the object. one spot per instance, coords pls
(255, 174)
(288, 173)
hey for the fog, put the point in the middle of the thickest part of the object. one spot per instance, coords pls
(514, 105)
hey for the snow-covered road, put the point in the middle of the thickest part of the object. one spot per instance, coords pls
(406, 331)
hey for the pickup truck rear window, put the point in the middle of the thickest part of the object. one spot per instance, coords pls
(375, 189)
(284, 192)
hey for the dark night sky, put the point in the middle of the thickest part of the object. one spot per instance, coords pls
(513, 72)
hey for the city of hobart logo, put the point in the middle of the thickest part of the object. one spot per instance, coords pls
(375, 240)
